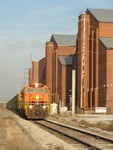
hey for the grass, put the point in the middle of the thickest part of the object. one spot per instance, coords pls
(13, 137)
(21, 144)
(100, 125)
(84, 124)
(59, 147)
(104, 126)
(72, 120)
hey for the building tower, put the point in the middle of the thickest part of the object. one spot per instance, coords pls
(83, 61)
(35, 77)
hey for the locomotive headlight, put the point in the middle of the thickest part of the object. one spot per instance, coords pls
(30, 106)
(37, 96)
(44, 107)
(36, 84)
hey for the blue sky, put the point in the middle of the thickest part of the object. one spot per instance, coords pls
(25, 27)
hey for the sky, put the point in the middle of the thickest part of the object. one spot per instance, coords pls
(25, 27)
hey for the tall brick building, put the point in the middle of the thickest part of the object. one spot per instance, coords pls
(95, 60)
(55, 69)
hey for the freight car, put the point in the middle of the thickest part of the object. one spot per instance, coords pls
(33, 101)
(13, 104)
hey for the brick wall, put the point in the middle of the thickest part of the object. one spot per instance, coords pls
(54, 71)
(42, 70)
(35, 77)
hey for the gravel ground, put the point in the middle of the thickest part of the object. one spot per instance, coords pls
(19, 134)
(46, 140)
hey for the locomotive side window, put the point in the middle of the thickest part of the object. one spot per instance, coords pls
(26, 90)
(45, 90)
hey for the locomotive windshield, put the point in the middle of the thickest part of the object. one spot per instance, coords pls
(34, 90)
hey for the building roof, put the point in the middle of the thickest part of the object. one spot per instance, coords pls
(102, 15)
(64, 40)
(108, 42)
(65, 60)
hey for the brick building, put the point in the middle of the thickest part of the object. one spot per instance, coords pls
(95, 60)
(55, 69)
(90, 54)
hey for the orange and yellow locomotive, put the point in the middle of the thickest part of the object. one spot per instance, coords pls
(33, 101)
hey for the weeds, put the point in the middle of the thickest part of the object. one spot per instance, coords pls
(84, 123)
(59, 147)
(104, 126)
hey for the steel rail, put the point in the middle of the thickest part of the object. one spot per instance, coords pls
(90, 146)
(80, 130)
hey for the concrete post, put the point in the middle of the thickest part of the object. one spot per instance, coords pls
(73, 91)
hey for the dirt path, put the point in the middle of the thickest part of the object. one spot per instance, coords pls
(12, 137)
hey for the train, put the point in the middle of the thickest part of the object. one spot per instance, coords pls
(12, 104)
(33, 101)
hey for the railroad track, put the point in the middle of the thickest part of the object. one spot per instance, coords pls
(87, 139)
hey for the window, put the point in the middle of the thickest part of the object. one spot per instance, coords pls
(45, 90)
(34, 90)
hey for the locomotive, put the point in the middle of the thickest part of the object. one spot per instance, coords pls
(34, 101)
